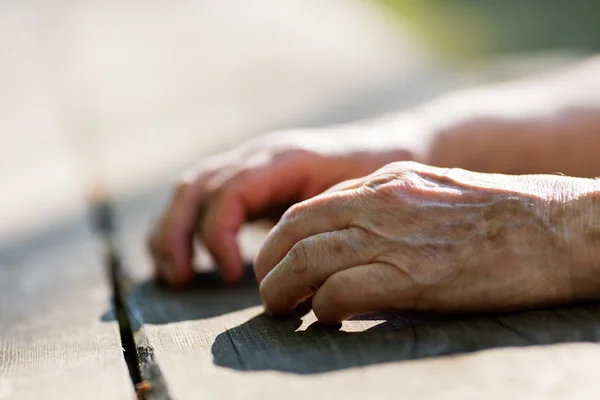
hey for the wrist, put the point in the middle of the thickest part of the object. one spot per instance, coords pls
(364, 146)
(575, 215)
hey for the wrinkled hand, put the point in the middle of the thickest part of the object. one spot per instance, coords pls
(410, 236)
(217, 197)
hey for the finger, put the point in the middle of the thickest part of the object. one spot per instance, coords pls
(175, 277)
(323, 213)
(308, 265)
(171, 244)
(218, 231)
(363, 289)
(239, 197)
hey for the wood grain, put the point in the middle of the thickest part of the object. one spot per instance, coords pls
(213, 341)
(53, 344)
(165, 80)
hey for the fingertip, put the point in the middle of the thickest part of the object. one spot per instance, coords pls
(331, 320)
(266, 299)
(229, 259)
(232, 274)
(219, 231)
(364, 289)
(177, 255)
(178, 244)
(271, 301)
(179, 278)
(172, 275)
(326, 310)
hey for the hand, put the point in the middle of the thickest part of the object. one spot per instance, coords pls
(415, 237)
(214, 200)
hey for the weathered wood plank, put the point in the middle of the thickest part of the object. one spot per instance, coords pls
(213, 341)
(53, 344)
(59, 75)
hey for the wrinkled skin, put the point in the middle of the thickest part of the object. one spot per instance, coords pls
(406, 236)
(213, 200)
(410, 236)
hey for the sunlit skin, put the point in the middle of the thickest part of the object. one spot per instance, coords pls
(388, 213)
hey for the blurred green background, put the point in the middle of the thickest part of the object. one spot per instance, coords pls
(475, 29)
(138, 91)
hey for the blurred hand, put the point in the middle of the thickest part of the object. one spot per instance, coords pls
(410, 236)
(216, 198)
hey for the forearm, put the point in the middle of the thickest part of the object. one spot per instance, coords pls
(575, 220)
(546, 125)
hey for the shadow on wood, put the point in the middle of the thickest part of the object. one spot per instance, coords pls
(206, 297)
(264, 343)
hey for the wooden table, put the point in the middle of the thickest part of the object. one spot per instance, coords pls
(214, 342)
(53, 344)
(89, 70)
(61, 339)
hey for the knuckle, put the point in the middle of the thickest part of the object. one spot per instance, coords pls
(216, 196)
(183, 185)
(286, 230)
(380, 187)
(358, 241)
(192, 182)
(289, 219)
(293, 213)
(425, 264)
(299, 257)
(241, 172)
(395, 185)
(362, 237)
